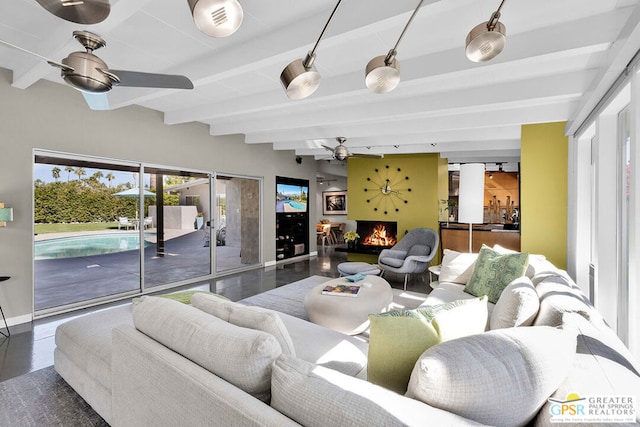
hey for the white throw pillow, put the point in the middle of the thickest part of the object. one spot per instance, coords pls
(219, 307)
(264, 320)
(317, 396)
(498, 378)
(517, 306)
(241, 356)
(456, 266)
(465, 319)
(257, 318)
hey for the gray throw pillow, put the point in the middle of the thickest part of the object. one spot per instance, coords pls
(241, 356)
(498, 378)
(258, 318)
(316, 396)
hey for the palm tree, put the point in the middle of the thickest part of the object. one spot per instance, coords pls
(110, 177)
(80, 171)
(55, 172)
(94, 180)
(68, 169)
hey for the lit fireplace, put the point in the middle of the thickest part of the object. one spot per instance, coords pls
(377, 233)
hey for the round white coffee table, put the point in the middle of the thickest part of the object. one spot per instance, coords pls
(346, 314)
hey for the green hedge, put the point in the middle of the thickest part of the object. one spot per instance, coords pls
(81, 201)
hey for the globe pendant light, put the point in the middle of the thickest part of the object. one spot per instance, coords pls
(383, 73)
(485, 41)
(217, 18)
(300, 78)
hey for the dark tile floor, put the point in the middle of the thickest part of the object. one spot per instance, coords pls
(31, 346)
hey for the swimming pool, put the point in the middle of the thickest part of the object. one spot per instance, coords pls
(297, 205)
(87, 245)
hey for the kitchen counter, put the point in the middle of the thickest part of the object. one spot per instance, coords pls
(455, 236)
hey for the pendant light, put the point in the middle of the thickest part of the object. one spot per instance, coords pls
(383, 73)
(85, 12)
(300, 78)
(485, 41)
(217, 18)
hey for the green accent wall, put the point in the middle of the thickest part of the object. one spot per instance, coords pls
(428, 180)
(543, 185)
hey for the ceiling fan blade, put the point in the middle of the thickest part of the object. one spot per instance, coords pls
(367, 156)
(328, 148)
(80, 12)
(44, 58)
(138, 79)
(96, 101)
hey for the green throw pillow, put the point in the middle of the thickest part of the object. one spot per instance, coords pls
(493, 272)
(397, 338)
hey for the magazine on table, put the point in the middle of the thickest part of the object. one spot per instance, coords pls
(341, 290)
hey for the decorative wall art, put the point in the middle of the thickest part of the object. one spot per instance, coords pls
(334, 202)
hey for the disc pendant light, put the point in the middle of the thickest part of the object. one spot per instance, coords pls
(217, 18)
(485, 41)
(383, 73)
(300, 78)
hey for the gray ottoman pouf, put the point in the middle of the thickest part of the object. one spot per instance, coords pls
(349, 268)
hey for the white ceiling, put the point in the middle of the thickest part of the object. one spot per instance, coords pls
(560, 57)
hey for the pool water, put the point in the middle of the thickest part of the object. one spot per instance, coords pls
(88, 245)
(297, 205)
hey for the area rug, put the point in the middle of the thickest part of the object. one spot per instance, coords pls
(43, 398)
(290, 298)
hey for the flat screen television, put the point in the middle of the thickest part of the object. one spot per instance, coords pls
(292, 196)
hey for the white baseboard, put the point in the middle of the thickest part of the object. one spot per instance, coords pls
(17, 320)
(270, 263)
(314, 253)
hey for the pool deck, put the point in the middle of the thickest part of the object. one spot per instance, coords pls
(168, 234)
(65, 281)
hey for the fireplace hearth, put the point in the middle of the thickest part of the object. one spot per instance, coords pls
(377, 234)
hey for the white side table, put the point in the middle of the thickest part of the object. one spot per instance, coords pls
(434, 272)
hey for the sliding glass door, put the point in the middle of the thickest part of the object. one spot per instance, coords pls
(90, 216)
(180, 248)
(86, 240)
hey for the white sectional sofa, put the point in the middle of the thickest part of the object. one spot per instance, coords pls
(164, 363)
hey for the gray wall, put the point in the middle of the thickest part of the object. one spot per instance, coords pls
(340, 184)
(52, 116)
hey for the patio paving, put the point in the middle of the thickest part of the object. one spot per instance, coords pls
(70, 280)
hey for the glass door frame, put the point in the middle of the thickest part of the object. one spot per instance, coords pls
(214, 223)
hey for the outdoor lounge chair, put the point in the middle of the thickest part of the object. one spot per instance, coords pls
(123, 221)
(148, 222)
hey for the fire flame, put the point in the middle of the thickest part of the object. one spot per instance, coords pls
(379, 237)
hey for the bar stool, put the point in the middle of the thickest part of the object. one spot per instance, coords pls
(8, 334)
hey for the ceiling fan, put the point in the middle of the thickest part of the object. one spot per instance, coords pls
(91, 75)
(340, 152)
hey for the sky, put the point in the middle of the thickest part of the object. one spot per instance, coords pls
(43, 172)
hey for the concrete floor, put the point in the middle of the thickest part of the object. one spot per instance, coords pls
(31, 345)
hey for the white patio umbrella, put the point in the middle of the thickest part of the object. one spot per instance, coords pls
(134, 193)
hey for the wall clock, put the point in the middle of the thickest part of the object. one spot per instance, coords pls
(387, 189)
